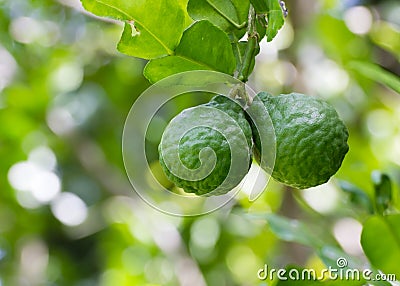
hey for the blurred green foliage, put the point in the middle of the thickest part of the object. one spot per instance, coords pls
(68, 215)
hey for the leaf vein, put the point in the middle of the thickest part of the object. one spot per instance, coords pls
(196, 62)
(237, 26)
(169, 51)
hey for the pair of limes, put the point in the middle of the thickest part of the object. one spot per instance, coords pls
(310, 140)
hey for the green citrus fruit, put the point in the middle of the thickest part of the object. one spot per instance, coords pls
(201, 137)
(311, 140)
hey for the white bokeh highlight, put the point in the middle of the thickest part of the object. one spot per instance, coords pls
(347, 231)
(69, 209)
(323, 198)
(358, 19)
(35, 180)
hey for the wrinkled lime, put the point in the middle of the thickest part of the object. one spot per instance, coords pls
(201, 137)
(311, 140)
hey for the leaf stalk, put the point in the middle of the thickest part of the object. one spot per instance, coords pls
(251, 48)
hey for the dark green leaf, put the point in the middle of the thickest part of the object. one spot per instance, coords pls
(383, 191)
(357, 196)
(203, 47)
(260, 6)
(148, 31)
(275, 19)
(261, 26)
(377, 73)
(380, 240)
(227, 15)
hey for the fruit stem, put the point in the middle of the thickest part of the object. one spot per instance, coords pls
(251, 48)
(238, 92)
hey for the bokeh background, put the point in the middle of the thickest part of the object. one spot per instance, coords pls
(68, 215)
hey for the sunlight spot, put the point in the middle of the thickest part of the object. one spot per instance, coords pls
(283, 40)
(285, 36)
(81, 105)
(27, 200)
(380, 123)
(44, 157)
(69, 209)
(25, 30)
(22, 174)
(395, 154)
(322, 198)
(358, 19)
(46, 186)
(34, 260)
(30, 177)
(255, 181)
(67, 77)
(242, 261)
(60, 121)
(325, 77)
(159, 271)
(285, 73)
(347, 231)
(205, 232)
(167, 237)
(8, 68)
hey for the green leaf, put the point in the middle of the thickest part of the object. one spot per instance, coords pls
(152, 29)
(227, 15)
(261, 26)
(184, 4)
(330, 255)
(383, 191)
(292, 230)
(203, 47)
(380, 240)
(387, 36)
(357, 196)
(275, 19)
(261, 6)
(296, 231)
(376, 73)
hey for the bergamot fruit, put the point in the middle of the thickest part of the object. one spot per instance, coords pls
(311, 140)
(200, 137)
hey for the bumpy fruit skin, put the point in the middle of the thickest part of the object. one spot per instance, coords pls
(200, 137)
(311, 140)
